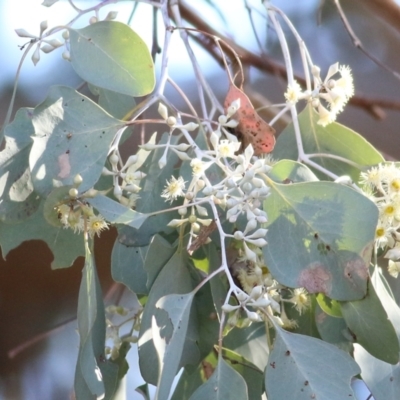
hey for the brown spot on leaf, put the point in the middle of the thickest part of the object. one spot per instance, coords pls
(316, 279)
(356, 268)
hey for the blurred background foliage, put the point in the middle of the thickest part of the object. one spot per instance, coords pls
(33, 299)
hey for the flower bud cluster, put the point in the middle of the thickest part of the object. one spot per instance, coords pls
(333, 92)
(126, 178)
(382, 186)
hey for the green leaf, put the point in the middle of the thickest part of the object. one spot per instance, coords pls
(127, 267)
(56, 197)
(382, 379)
(144, 391)
(91, 328)
(251, 343)
(318, 240)
(333, 330)
(150, 196)
(253, 377)
(218, 284)
(115, 212)
(160, 251)
(117, 104)
(188, 382)
(178, 308)
(174, 278)
(64, 244)
(110, 55)
(329, 306)
(335, 139)
(295, 365)
(371, 327)
(288, 171)
(383, 291)
(207, 319)
(72, 136)
(18, 199)
(305, 322)
(224, 384)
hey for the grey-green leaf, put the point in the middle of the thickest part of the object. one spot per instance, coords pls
(382, 379)
(18, 199)
(371, 327)
(91, 328)
(72, 136)
(174, 278)
(333, 139)
(302, 368)
(329, 244)
(224, 384)
(116, 213)
(65, 245)
(178, 308)
(110, 55)
(288, 171)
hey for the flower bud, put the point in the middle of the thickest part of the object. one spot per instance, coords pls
(171, 121)
(253, 316)
(241, 296)
(182, 211)
(114, 159)
(65, 35)
(78, 180)
(227, 308)
(111, 15)
(36, 55)
(238, 235)
(73, 193)
(163, 111)
(93, 20)
(256, 292)
(43, 26)
(66, 55)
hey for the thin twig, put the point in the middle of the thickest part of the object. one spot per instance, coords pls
(357, 42)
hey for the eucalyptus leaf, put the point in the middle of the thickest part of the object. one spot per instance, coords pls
(18, 199)
(371, 327)
(65, 245)
(160, 251)
(110, 55)
(115, 212)
(174, 278)
(150, 196)
(288, 171)
(91, 328)
(317, 241)
(72, 136)
(253, 376)
(334, 139)
(188, 382)
(382, 379)
(383, 291)
(295, 365)
(178, 308)
(127, 267)
(119, 105)
(224, 384)
(333, 330)
(251, 343)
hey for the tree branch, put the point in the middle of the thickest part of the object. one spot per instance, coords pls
(372, 105)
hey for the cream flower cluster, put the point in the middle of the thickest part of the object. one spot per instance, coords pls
(229, 186)
(333, 92)
(126, 178)
(382, 186)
